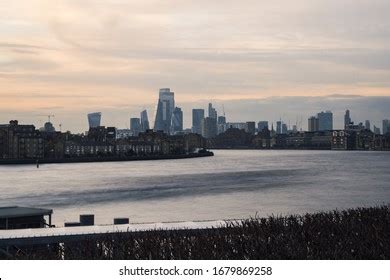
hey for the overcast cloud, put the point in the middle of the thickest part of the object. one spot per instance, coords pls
(71, 57)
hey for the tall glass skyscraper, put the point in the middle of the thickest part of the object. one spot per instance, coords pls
(212, 112)
(347, 119)
(135, 126)
(165, 107)
(197, 117)
(279, 127)
(385, 126)
(325, 121)
(94, 119)
(144, 121)
(177, 120)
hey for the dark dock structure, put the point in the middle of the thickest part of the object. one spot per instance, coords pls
(15, 217)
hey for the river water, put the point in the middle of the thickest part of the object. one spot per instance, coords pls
(232, 184)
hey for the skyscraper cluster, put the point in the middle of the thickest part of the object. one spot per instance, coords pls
(349, 124)
(169, 119)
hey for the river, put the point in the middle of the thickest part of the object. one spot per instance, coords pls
(233, 184)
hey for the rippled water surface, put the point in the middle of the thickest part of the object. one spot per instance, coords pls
(232, 184)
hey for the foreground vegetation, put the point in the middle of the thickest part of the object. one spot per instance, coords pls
(362, 233)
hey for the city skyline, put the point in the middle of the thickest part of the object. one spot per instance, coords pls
(55, 58)
(291, 110)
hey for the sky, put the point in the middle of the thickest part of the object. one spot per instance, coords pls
(262, 60)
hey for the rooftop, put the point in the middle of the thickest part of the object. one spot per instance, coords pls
(15, 211)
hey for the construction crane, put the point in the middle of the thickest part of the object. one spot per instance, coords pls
(48, 116)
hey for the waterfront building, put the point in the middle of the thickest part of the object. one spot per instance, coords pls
(231, 138)
(261, 125)
(135, 126)
(209, 128)
(197, 117)
(100, 134)
(88, 148)
(377, 130)
(123, 133)
(159, 143)
(177, 120)
(385, 127)
(325, 121)
(20, 141)
(347, 119)
(94, 119)
(251, 128)
(144, 121)
(165, 107)
(263, 139)
(111, 133)
(339, 140)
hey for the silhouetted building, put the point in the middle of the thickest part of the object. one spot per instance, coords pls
(221, 120)
(123, 133)
(94, 119)
(221, 124)
(177, 120)
(212, 112)
(111, 133)
(20, 141)
(284, 128)
(209, 128)
(263, 139)
(231, 138)
(279, 127)
(347, 119)
(213, 116)
(197, 117)
(261, 125)
(251, 127)
(312, 124)
(238, 125)
(135, 126)
(325, 121)
(339, 140)
(367, 125)
(48, 127)
(165, 107)
(144, 121)
(385, 127)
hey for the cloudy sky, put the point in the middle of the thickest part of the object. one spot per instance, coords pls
(261, 59)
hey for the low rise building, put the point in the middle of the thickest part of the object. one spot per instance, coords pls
(20, 142)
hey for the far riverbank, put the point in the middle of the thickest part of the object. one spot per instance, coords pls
(104, 159)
